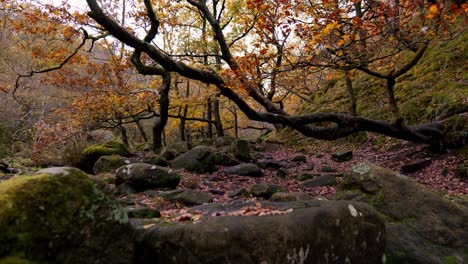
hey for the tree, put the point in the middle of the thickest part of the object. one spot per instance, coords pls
(308, 124)
(246, 49)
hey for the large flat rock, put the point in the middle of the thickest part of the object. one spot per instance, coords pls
(315, 232)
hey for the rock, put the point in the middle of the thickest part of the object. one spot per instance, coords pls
(245, 169)
(179, 147)
(299, 158)
(125, 189)
(264, 190)
(223, 141)
(421, 226)
(328, 169)
(415, 165)
(100, 136)
(224, 159)
(199, 159)
(238, 192)
(142, 212)
(241, 150)
(142, 176)
(110, 163)
(307, 176)
(60, 215)
(269, 165)
(217, 192)
(290, 196)
(323, 180)
(92, 153)
(168, 154)
(318, 232)
(4, 167)
(151, 158)
(187, 197)
(342, 156)
(282, 173)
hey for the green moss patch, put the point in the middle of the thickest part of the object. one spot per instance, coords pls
(59, 216)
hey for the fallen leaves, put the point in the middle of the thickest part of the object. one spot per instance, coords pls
(257, 210)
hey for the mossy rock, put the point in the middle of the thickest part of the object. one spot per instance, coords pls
(109, 163)
(60, 215)
(422, 227)
(92, 153)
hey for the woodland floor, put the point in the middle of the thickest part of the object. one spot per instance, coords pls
(438, 175)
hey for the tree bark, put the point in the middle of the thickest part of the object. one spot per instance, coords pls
(351, 95)
(217, 117)
(161, 122)
(141, 129)
(209, 113)
(392, 100)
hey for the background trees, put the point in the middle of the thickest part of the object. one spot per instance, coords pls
(205, 65)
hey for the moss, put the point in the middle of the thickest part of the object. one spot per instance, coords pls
(92, 153)
(450, 260)
(47, 215)
(108, 148)
(16, 260)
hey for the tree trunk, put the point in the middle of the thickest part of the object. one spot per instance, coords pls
(209, 112)
(236, 123)
(182, 124)
(352, 97)
(217, 117)
(141, 129)
(392, 100)
(161, 122)
(123, 133)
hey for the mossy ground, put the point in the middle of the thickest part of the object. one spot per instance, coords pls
(438, 83)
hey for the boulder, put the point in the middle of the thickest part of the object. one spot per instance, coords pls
(245, 169)
(142, 212)
(322, 180)
(415, 165)
(100, 136)
(168, 154)
(307, 176)
(142, 176)
(92, 153)
(151, 158)
(421, 225)
(199, 159)
(269, 164)
(328, 169)
(187, 197)
(241, 150)
(342, 156)
(264, 190)
(179, 147)
(60, 215)
(290, 196)
(223, 141)
(313, 232)
(225, 159)
(299, 158)
(110, 163)
(282, 173)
